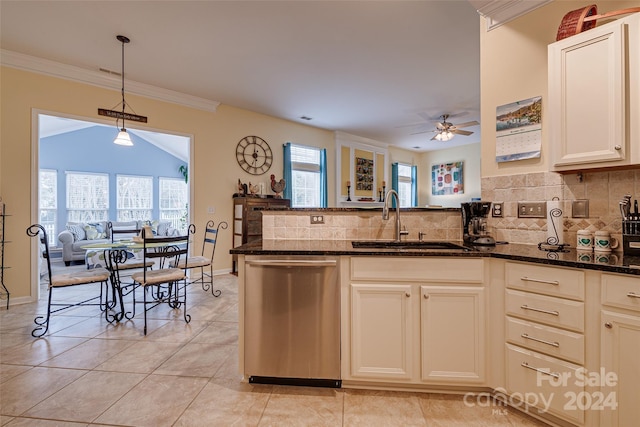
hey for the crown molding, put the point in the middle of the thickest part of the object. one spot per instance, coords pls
(96, 78)
(348, 138)
(498, 12)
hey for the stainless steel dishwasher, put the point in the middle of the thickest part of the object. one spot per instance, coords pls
(292, 320)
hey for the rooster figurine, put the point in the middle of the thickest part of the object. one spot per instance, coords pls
(277, 186)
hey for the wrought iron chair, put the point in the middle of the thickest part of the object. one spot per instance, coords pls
(167, 283)
(85, 277)
(127, 232)
(206, 258)
(127, 259)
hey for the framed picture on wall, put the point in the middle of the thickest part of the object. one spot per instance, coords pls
(364, 174)
(447, 179)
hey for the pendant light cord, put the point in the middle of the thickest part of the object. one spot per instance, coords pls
(124, 40)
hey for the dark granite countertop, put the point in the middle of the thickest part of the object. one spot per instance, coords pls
(616, 262)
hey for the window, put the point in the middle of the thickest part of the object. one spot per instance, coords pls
(404, 185)
(404, 181)
(87, 197)
(174, 196)
(134, 197)
(306, 177)
(49, 202)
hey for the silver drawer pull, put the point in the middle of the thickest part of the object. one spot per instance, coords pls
(633, 295)
(540, 310)
(530, 279)
(553, 344)
(533, 368)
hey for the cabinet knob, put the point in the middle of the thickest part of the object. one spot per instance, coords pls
(618, 147)
(426, 296)
(608, 325)
(407, 294)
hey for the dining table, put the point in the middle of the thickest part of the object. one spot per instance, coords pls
(119, 256)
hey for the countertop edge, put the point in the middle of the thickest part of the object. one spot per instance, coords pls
(513, 252)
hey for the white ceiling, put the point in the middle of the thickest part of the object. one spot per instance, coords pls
(363, 67)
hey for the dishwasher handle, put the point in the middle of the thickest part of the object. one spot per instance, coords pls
(292, 263)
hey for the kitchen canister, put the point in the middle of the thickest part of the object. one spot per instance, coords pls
(584, 240)
(603, 242)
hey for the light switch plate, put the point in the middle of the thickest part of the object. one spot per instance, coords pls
(532, 209)
(580, 208)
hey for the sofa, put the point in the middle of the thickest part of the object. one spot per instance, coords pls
(76, 235)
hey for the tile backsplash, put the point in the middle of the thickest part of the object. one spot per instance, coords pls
(360, 225)
(603, 190)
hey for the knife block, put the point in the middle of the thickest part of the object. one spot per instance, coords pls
(631, 237)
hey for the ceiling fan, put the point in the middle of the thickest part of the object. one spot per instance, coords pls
(446, 130)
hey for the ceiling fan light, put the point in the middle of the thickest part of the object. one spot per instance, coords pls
(439, 136)
(123, 138)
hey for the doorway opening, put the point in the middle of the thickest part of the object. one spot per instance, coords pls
(81, 176)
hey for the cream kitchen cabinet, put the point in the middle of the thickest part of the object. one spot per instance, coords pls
(452, 334)
(414, 321)
(545, 336)
(620, 347)
(382, 325)
(594, 97)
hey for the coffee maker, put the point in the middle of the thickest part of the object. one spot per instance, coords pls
(474, 223)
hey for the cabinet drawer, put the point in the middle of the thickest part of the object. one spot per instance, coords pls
(553, 281)
(550, 310)
(546, 339)
(621, 291)
(537, 377)
(449, 269)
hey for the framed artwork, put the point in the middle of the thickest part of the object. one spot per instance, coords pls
(447, 179)
(364, 174)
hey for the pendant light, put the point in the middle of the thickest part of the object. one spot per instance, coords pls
(123, 137)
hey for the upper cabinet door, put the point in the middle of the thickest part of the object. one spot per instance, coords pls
(592, 77)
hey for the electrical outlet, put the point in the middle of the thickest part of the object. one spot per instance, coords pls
(497, 209)
(532, 209)
(317, 219)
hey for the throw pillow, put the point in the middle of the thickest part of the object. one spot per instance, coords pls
(153, 225)
(78, 231)
(102, 233)
(92, 232)
(163, 228)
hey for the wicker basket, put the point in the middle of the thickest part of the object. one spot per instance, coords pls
(583, 19)
(573, 22)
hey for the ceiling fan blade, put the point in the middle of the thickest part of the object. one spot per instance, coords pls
(411, 125)
(467, 124)
(433, 139)
(427, 117)
(461, 132)
(454, 115)
(441, 125)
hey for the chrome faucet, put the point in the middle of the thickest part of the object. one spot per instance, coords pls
(385, 214)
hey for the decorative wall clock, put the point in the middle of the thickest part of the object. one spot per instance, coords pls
(254, 155)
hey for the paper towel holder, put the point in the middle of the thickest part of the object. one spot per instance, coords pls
(552, 243)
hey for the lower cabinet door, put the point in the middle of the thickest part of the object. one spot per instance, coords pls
(536, 382)
(452, 334)
(381, 337)
(620, 357)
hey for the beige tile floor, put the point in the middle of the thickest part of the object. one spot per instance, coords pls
(88, 372)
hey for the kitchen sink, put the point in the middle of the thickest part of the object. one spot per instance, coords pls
(408, 244)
